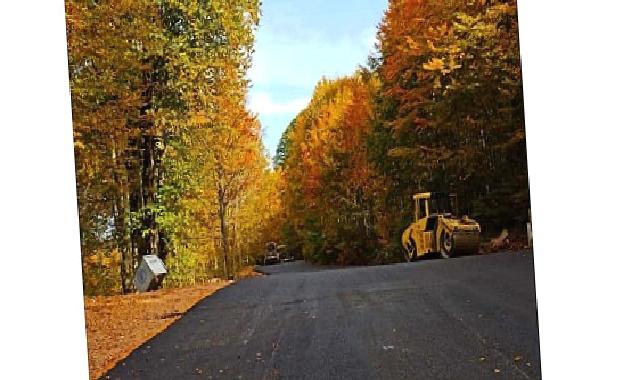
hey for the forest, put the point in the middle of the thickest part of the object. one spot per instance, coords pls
(170, 160)
(439, 107)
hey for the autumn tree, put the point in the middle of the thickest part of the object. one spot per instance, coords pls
(439, 109)
(450, 113)
(152, 83)
(328, 176)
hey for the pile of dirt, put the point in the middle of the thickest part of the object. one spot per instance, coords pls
(117, 325)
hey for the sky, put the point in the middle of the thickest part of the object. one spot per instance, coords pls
(297, 43)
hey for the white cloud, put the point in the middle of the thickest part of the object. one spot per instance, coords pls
(288, 65)
(263, 104)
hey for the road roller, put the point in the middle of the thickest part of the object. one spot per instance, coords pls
(438, 230)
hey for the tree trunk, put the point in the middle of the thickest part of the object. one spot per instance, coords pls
(149, 155)
(118, 214)
(222, 209)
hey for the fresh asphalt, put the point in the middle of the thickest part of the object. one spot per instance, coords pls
(464, 318)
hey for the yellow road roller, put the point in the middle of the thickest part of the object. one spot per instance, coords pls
(437, 228)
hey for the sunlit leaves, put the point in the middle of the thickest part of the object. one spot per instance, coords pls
(153, 83)
(451, 105)
(327, 174)
(445, 114)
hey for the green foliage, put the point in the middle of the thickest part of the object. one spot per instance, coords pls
(169, 161)
(154, 84)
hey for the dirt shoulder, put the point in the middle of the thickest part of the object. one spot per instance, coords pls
(117, 325)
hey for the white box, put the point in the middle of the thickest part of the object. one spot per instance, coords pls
(150, 273)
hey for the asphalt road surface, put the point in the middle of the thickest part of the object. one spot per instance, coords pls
(463, 318)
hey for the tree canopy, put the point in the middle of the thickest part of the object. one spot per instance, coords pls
(167, 155)
(170, 161)
(440, 108)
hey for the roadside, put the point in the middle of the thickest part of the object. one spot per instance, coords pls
(117, 325)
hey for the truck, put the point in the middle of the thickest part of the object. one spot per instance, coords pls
(271, 254)
(438, 230)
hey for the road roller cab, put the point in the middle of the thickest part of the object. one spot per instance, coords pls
(437, 228)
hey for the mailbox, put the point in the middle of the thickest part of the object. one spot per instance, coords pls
(150, 273)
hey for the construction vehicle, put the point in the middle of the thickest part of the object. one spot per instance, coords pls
(438, 230)
(271, 254)
(284, 254)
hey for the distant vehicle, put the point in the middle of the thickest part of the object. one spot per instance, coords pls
(438, 229)
(271, 254)
(285, 256)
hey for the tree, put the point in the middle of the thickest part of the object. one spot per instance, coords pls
(147, 78)
(440, 109)
(450, 110)
(327, 195)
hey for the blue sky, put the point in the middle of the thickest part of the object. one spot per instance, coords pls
(298, 42)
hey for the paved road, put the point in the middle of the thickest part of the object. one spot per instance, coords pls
(464, 318)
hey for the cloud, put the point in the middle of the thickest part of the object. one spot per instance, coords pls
(263, 104)
(298, 43)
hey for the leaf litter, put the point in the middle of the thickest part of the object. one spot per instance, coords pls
(117, 325)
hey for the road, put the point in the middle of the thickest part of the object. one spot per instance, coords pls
(463, 318)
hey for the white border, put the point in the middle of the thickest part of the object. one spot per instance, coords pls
(581, 67)
(42, 322)
(581, 79)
